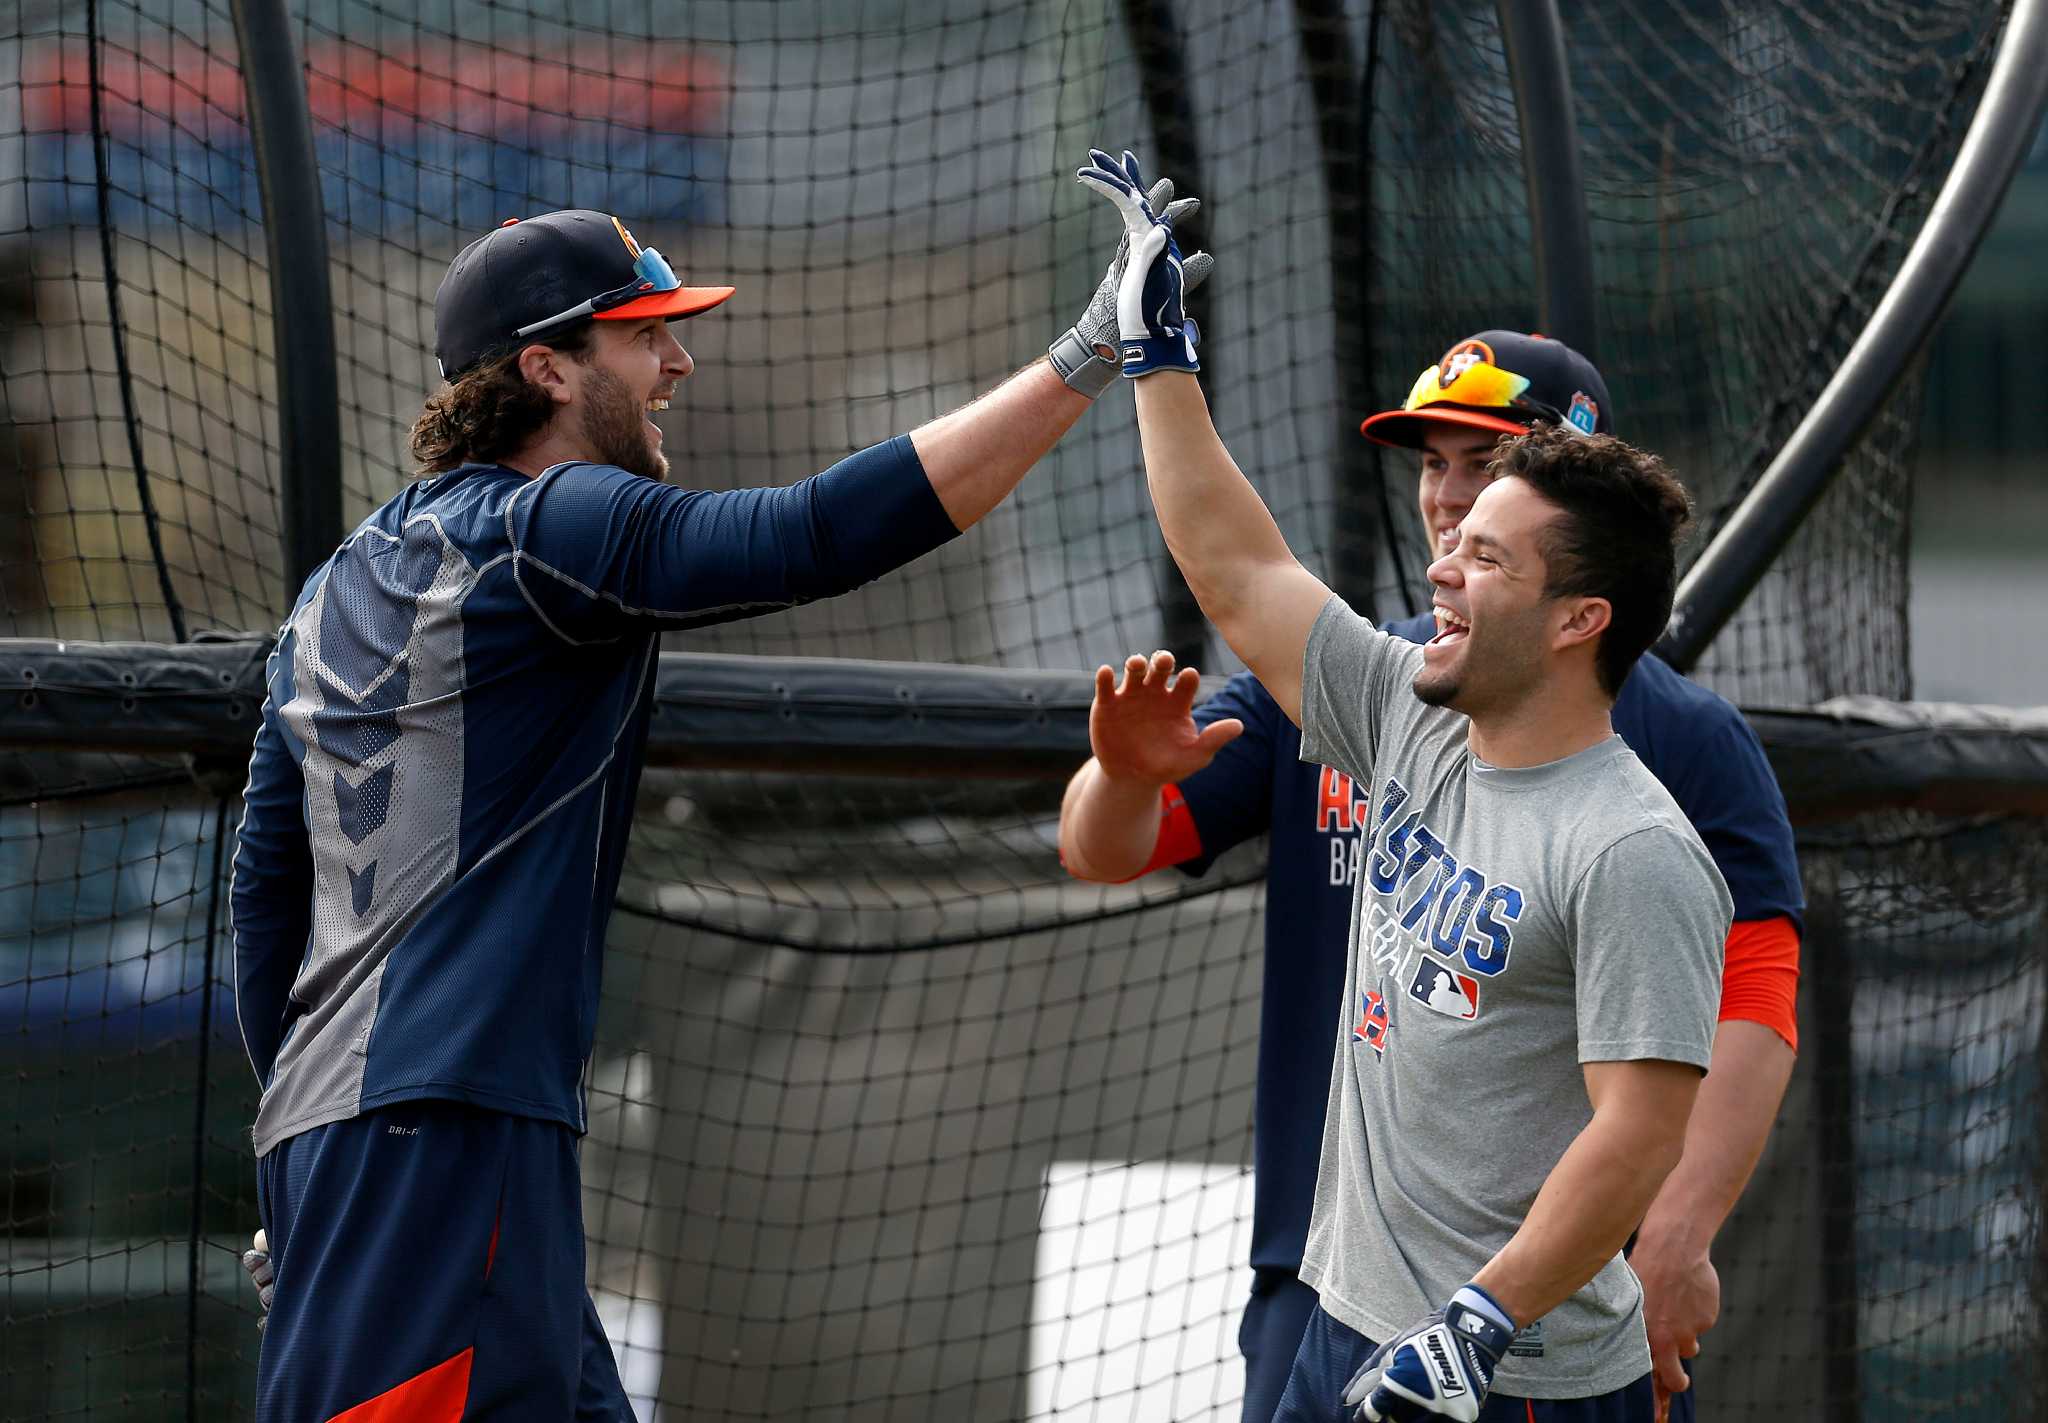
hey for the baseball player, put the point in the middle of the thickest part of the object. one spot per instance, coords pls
(1163, 790)
(441, 791)
(1484, 1154)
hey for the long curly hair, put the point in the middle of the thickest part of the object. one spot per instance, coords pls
(489, 412)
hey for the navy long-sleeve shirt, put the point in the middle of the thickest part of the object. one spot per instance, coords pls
(444, 778)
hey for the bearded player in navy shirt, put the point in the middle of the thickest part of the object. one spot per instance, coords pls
(1175, 784)
(441, 791)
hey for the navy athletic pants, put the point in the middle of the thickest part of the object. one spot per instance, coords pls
(429, 1260)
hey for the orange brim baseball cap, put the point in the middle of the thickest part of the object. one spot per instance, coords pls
(533, 277)
(1501, 381)
(1409, 429)
(674, 305)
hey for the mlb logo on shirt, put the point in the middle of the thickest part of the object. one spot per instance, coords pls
(1440, 987)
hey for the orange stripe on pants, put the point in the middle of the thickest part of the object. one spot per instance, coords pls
(436, 1396)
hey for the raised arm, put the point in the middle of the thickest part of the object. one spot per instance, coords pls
(1217, 528)
(975, 456)
(595, 546)
(1221, 534)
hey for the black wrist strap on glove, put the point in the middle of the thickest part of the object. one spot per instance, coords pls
(1081, 365)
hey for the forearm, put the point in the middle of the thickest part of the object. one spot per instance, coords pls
(1108, 826)
(1731, 1120)
(1215, 524)
(1591, 1201)
(266, 965)
(976, 455)
(1221, 534)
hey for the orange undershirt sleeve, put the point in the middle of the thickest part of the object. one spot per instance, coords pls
(1760, 975)
(1178, 839)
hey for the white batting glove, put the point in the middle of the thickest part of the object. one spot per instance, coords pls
(256, 1260)
(1153, 329)
(1085, 354)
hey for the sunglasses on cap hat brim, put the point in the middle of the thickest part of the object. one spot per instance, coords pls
(1479, 394)
(655, 291)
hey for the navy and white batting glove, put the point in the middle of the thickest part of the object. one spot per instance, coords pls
(1153, 329)
(1441, 1367)
(256, 1260)
(1086, 353)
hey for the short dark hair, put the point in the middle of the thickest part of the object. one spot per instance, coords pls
(490, 410)
(1624, 515)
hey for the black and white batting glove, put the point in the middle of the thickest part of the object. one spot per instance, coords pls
(256, 1260)
(1085, 354)
(1441, 1367)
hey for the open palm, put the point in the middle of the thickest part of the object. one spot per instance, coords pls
(1142, 729)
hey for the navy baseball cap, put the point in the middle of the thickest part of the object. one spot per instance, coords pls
(538, 275)
(1499, 380)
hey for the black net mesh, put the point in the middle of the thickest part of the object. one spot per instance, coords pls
(890, 1118)
(138, 491)
(124, 1168)
(886, 184)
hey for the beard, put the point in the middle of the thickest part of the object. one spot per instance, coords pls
(1437, 688)
(614, 424)
(1494, 669)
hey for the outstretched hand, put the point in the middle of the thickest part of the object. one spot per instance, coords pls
(1142, 729)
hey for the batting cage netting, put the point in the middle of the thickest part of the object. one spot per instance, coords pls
(889, 1117)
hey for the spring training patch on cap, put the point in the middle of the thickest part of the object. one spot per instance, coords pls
(1584, 414)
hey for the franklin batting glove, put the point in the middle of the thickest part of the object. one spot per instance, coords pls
(1441, 1367)
(1085, 354)
(256, 1260)
(1153, 329)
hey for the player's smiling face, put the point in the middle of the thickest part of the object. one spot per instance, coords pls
(632, 372)
(1493, 618)
(1454, 471)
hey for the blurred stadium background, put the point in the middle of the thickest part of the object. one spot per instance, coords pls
(888, 1119)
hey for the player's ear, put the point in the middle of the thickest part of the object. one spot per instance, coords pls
(546, 367)
(1584, 619)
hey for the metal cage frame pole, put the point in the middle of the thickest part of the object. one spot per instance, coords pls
(301, 298)
(2001, 133)
(1560, 236)
(1831, 1005)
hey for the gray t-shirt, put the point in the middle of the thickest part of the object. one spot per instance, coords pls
(1509, 925)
